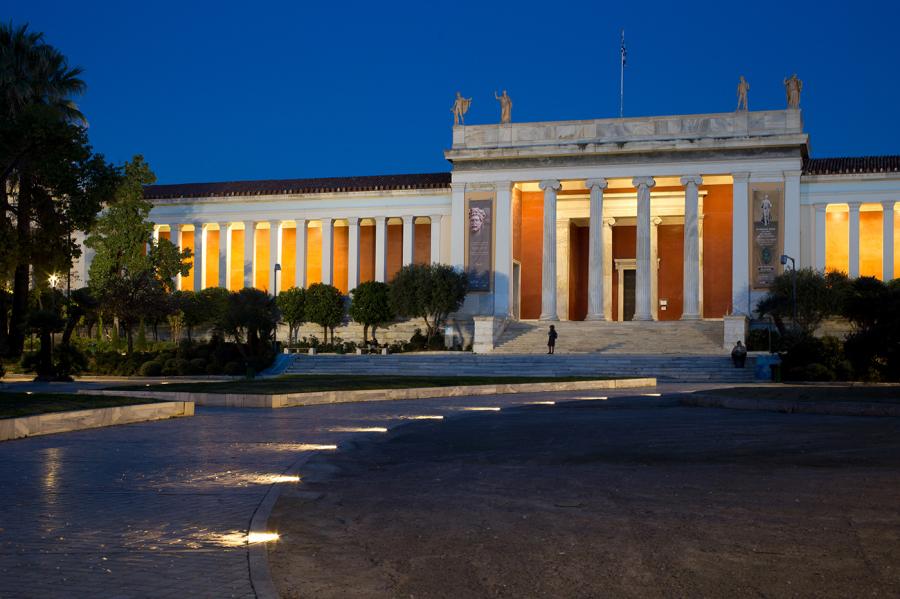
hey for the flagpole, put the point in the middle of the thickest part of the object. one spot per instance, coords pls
(622, 78)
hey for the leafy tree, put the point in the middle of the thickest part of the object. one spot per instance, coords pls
(214, 301)
(428, 291)
(873, 349)
(129, 281)
(192, 309)
(292, 304)
(370, 305)
(250, 319)
(325, 307)
(818, 297)
(51, 183)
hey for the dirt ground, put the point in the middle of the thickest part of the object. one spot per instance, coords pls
(625, 498)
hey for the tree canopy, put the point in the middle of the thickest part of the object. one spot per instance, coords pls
(428, 291)
(370, 306)
(292, 305)
(325, 307)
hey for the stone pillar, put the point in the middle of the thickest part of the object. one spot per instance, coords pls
(548, 263)
(607, 267)
(887, 240)
(199, 266)
(503, 250)
(691, 290)
(249, 252)
(792, 215)
(597, 255)
(409, 239)
(643, 291)
(436, 238)
(563, 250)
(457, 225)
(820, 236)
(274, 256)
(352, 253)
(740, 245)
(655, 222)
(853, 249)
(224, 255)
(381, 249)
(327, 250)
(300, 253)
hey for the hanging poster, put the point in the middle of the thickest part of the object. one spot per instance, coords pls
(480, 240)
(767, 214)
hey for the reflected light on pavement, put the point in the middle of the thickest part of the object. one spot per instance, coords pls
(358, 429)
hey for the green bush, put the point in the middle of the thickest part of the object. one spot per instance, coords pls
(233, 369)
(151, 368)
(196, 366)
(810, 372)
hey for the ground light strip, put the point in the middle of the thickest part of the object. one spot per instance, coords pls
(480, 409)
(358, 429)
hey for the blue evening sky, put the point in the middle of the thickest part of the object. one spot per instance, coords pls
(212, 91)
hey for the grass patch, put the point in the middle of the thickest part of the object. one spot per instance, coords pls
(824, 392)
(304, 383)
(15, 405)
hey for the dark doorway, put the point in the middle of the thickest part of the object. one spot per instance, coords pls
(628, 277)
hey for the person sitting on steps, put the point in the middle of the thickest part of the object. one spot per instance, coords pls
(551, 340)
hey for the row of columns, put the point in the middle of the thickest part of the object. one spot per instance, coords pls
(275, 247)
(887, 238)
(599, 242)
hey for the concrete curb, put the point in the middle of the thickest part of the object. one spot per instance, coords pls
(287, 400)
(76, 420)
(834, 408)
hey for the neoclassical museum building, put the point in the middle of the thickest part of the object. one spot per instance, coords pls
(663, 218)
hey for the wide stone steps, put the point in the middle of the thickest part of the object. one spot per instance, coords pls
(664, 368)
(672, 338)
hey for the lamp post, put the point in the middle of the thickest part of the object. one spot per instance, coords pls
(784, 261)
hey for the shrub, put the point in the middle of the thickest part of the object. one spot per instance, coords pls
(430, 292)
(810, 372)
(324, 306)
(233, 369)
(151, 368)
(197, 366)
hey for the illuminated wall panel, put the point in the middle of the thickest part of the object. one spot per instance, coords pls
(187, 243)
(313, 255)
(288, 258)
(837, 238)
(261, 241)
(212, 258)
(870, 238)
(236, 268)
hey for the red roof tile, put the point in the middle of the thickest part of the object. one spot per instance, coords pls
(851, 165)
(283, 186)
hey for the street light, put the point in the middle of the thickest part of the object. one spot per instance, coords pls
(784, 261)
(53, 280)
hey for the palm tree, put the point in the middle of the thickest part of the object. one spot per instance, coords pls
(36, 84)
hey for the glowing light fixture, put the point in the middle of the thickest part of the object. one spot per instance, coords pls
(481, 409)
(652, 394)
(261, 537)
(541, 403)
(422, 417)
(53, 280)
(358, 429)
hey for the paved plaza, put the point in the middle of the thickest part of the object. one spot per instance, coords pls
(162, 509)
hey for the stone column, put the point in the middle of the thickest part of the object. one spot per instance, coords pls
(655, 222)
(327, 250)
(274, 257)
(548, 262)
(409, 239)
(199, 266)
(352, 253)
(607, 266)
(792, 215)
(740, 245)
(503, 250)
(597, 257)
(887, 240)
(249, 253)
(381, 249)
(644, 282)
(436, 238)
(820, 236)
(175, 237)
(457, 225)
(224, 255)
(300, 253)
(854, 241)
(691, 304)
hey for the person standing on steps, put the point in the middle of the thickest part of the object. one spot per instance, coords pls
(551, 340)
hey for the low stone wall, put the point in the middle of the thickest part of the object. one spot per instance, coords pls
(834, 408)
(74, 420)
(288, 400)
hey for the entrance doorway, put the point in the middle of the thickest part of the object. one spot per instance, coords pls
(629, 278)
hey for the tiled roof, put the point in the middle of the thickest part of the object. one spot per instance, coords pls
(283, 186)
(851, 165)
